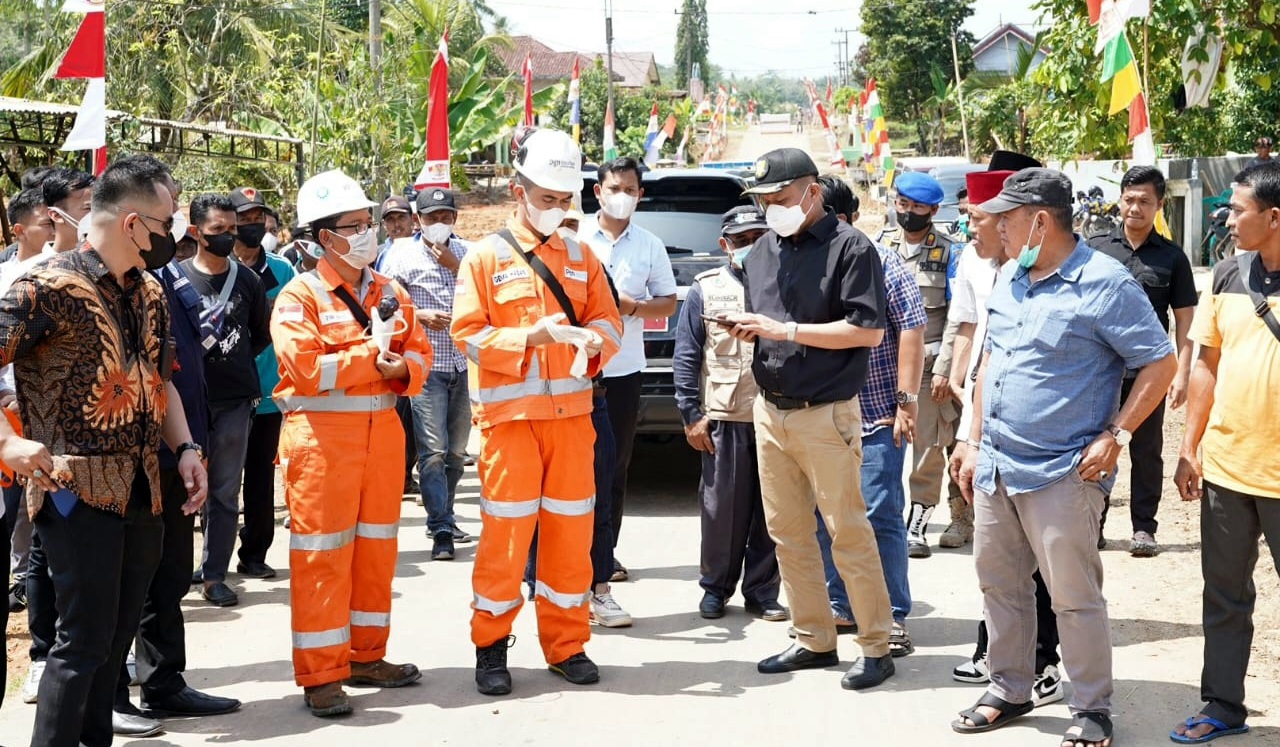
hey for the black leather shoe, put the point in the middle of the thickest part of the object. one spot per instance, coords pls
(492, 676)
(577, 669)
(189, 702)
(867, 672)
(255, 570)
(197, 577)
(129, 725)
(769, 610)
(711, 606)
(798, 657)
(220, 595)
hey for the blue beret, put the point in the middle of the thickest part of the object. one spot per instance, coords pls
(919, 187)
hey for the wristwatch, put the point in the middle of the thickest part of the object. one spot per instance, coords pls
(190, 446)
(903, 398)
(1121, 436)
(791, 331)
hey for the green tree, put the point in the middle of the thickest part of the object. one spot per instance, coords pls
(906, 40)
(691, 42)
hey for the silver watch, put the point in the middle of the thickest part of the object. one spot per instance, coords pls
(1121, 436)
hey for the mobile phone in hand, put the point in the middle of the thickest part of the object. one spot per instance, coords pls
(718, 320)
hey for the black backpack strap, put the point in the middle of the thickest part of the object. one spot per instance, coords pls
(351, 303)
(1251, 281)
(548, 277)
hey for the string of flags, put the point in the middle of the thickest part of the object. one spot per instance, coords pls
(1120, 67)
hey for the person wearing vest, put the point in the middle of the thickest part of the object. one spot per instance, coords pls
(531, 397)
(715, 392)
(928, 253)
(341, 445)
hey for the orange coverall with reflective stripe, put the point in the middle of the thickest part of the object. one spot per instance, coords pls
(535, 420)
(342, 450)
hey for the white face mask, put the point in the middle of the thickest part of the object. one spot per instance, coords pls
(438, 233)
(545, 222)
(786, 221)
(180, 226)
(619, 205)
(363, 249)
(81, 226)
(270, 243)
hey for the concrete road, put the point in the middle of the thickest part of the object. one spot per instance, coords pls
(674, 678)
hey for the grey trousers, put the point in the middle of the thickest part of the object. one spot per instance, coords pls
(1230, 524)
(228, 440)
(1054, 528)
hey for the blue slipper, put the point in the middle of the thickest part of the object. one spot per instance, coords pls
(1219, 730)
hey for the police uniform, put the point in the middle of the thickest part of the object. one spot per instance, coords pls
(933, 262)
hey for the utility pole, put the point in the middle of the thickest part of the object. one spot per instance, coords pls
(964, 120)
(608, 44)
(375, 33)
(846, 65)
(315, 109)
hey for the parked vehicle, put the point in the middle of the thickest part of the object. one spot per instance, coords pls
(1095, 215)
(1217, 244)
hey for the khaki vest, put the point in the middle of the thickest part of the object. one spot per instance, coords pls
(728, 387)
(930, 268)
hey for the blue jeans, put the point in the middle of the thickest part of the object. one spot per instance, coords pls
(882, 465)
(441, 425)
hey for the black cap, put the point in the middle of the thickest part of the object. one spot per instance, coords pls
(1007, 160)
(432, 199)
(742, 218)
(248, 198)
(395, 204)
(778, 168)
(1035, 187)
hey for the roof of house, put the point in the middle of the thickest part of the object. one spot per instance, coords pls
(630, 69)
(999, 33)
(638, 69)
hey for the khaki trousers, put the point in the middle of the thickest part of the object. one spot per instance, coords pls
(1054, 528)
(935, 435)
(813, 457)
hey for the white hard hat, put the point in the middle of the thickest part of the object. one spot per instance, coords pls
(551, 160)
(330, 193)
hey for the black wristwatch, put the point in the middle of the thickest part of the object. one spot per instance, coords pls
(904, 398)
(190, 446)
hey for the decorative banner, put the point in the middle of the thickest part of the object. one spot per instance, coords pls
(651, 132)
(435, 170)
(528, 91)
(1119, 66)
(655, 147)
(1110, 16)
(1144, 147)
(90, 130)
(83, 6)
(87, 56)
(610, 150)
(575, 103)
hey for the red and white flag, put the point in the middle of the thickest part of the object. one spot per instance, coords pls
(528, 91)
(435, 171)
(83, 6)
(86, 58)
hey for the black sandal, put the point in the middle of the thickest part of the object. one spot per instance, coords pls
(980, 723)
(1088, 727)
(900, 641)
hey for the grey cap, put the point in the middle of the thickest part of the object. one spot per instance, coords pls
(1034, 187)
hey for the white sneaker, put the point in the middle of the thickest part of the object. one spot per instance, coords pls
(31, 688)
(1048, 687)
(972, 672)
(607, 612)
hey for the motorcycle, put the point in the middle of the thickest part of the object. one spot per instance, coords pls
(1217, 243)
(1095, 215)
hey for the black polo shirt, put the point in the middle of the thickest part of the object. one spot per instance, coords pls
(827, 273)
(1159, 265)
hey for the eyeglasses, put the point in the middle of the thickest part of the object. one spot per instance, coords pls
(360, 228)
(165, 223)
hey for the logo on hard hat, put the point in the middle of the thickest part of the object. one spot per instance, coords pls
(762, 168)
(322, 193)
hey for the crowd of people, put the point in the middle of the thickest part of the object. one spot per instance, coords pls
(160, 364)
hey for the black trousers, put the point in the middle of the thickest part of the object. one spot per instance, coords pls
(1046, 629)
(735, 542)
(259, 490)
(101, 565)
(1230, 524)
(42, 611)
(161, 643)
(6, 529)
(623, 399)
(1146, 473)
(404, 408)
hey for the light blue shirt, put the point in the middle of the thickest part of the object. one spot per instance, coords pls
(1058, 351)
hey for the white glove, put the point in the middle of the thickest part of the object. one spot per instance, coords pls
(575, 336)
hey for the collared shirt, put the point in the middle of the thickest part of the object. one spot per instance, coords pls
(904, 308)
(827, 273)
(1058, 349)
(274, 271)
(10, 270)
(188, 366)
(1159, 265)
(975, 280)
(431, 285)
(640, 268)
(86, 354)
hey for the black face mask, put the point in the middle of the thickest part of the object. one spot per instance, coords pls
(250, 234)
(219, 244)
(163, 247)
(914, 222)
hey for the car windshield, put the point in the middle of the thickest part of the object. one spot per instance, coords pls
(681, 208)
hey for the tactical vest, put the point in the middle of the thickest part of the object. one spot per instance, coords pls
(930, 267)
(728, 387)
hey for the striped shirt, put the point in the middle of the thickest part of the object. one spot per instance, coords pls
(431, 286)
(905, 308)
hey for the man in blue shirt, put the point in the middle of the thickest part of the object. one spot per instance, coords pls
(1064, 323)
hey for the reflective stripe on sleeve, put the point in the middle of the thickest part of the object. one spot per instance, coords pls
(509, 509)
(321, 542)
(417, 358)
(328, 371)
(569, 508)
(605, 328)
(322, 638)
(561, 600)
(473, 343)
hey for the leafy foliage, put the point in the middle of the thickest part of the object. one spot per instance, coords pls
(691, 41)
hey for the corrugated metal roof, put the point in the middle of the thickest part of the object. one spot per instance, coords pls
(29, 106)
(10, 104)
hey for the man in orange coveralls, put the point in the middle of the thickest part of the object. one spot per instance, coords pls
(534, 413)
(342, 446)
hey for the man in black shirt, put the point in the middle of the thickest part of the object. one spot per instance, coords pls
(815, 307)
(234, 329)
(1164, 271)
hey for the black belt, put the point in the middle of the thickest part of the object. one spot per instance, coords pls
(789, 403)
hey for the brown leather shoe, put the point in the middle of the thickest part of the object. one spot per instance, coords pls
(382, 673)
(326, 700)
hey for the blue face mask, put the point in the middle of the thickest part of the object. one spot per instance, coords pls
(740, 255)
(1029, 254)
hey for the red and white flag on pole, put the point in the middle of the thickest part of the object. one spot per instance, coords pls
(435, 171)
(86, 58)
(83, 6)
(528, 91)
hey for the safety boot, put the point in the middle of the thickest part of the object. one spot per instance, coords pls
(326, 700)
(492, 675)
(382, 673)
(917, 522)
(960, 531)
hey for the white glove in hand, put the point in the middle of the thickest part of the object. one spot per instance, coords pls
(575, 336)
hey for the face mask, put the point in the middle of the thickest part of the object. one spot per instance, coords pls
(251, 234)
(162, 249)
(963, 224)
(180, 225)
(438, 233)
(1028, 256)
(270, 243)
(219, 244)
(363, 249)
(785, 221)
(81, 226)
(914, 222)
(738, 256)
(545, 222)
(618, 205)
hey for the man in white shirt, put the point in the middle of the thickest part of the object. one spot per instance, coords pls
(637, 261)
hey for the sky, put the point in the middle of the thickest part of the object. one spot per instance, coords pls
(746, 37)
